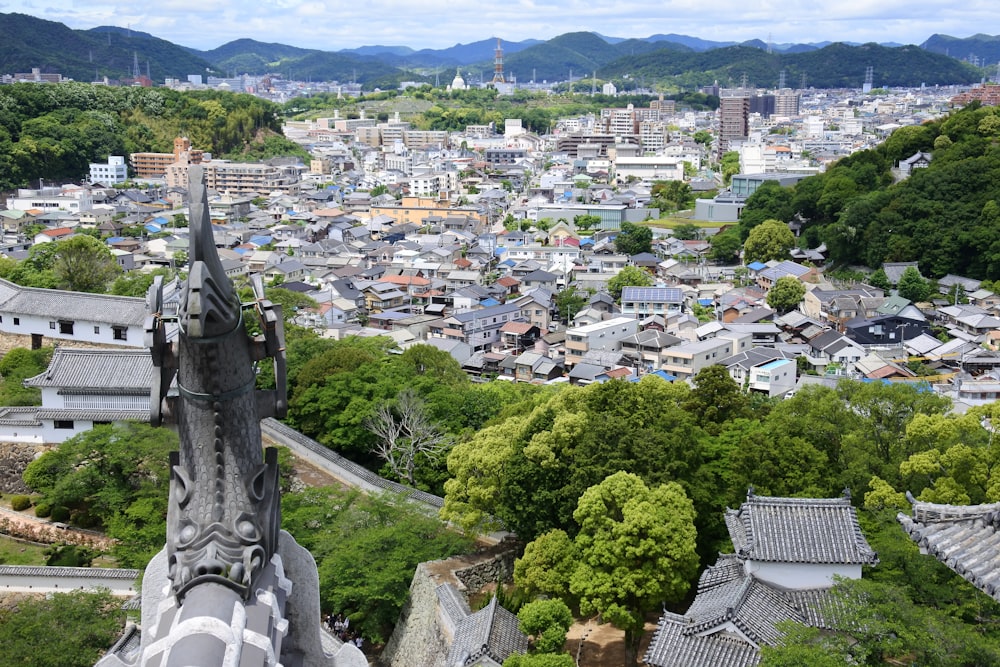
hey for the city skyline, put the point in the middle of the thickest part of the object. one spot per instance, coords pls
(438, 24)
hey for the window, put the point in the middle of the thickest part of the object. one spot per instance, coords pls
(120, 333)
(66, 327)
(63, 423)
(52, 325)
(97, 330)
(17, 321)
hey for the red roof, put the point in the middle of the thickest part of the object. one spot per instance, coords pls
(56, 232)
(508, 281)
(517, 327)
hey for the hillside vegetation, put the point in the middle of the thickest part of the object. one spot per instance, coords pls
(54, 132)
(946, 217)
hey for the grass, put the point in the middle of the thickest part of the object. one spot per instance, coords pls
(13, 552)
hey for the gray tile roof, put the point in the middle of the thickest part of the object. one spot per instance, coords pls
(799, 530)
(453, 605)
(106, 370)
(751, 605)
(63, 305)
(492, 631)
(61, 572)
(63, 414)
(962, 537)
(670, 647)
(20, 416)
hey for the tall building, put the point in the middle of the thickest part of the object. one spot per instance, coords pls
(734, 121)
(154, 165)
(786, 103)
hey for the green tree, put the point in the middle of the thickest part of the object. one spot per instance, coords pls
(772, 239)
(912, 286)
(59, 630)
(15, 367)
(547, 565)
(569, 301)
(546, 622)
(84, 264)
(786, 293)
(725, 246)
(634, 239)
(730, 165)
(716, 398)
(115, 477)
(637, 550)
(586, 222)
(348, 532)
(879, 279)
(628, 276)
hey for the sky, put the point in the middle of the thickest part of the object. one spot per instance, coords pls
(333, 25)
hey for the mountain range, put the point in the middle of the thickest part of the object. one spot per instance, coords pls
(119, 53)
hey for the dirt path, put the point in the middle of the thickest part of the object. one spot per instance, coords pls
(594, 645)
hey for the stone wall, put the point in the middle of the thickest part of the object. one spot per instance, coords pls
(419, 640)
(8, 341)
(14, 458)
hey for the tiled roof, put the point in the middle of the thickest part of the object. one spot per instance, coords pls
(64, 414)
(109, 370)
(752, 606)
(670, 647)
(799, 530)
(962, 537)
(63, 305)
(453, 604)
(19, 416)
(58, 572)
(492, 631)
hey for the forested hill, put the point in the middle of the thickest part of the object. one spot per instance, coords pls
(946, 216)
(54, 132)
(83, 55)
(834, 66)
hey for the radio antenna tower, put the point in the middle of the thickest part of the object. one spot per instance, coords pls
(781, 80)
(498, 64)
(135, 65)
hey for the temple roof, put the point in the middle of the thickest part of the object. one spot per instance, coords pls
(963, 537)
(799, 530)
(492, 631)
(103, 370)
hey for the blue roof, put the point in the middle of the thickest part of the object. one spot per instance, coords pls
(705, 302)
(260, 240)
(160, 220)
(586, 241)
(777, 362)
(114, 239)
(489, 302)
(153, 229)
(756, 266)
(660, 374)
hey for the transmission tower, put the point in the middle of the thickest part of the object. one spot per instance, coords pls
(498, 64)
(135, 65)
(781, 80)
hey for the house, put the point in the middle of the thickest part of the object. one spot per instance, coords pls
(479, 328)
(649, 348)
(641, 302)
(688, 359)
(535, 367)
(833, 347)
(765, 370)
(41, 314)
(519, 336)
(885, 329)
(81, 388)
(787, 553)
(603, 335)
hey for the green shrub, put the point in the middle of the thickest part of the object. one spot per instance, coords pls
(43, 510)
(60, 513)
(20, 503)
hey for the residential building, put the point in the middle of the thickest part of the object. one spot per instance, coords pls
(114, 171)
(642, 302)
(479, 328)
(154, 165)
(734, 120)
(688, 359)
(605, 335)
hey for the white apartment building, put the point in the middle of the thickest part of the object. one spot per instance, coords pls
(115, 171)
(606, 335)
